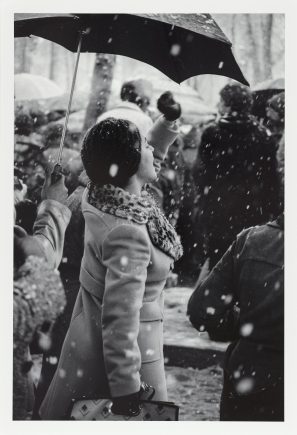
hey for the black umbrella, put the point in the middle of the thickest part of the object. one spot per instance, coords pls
(179, 45)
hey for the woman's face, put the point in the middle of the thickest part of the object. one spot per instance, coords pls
(147, 169)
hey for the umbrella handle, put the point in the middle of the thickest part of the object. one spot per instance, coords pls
(70, 99)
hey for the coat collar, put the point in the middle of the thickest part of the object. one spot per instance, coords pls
(139, 209)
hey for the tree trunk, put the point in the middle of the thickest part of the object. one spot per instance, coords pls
(267, 24)
(53, 56)
(254, 49)
(22, 64)
(100, 88)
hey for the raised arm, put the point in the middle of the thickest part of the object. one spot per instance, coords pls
(165, 130)
(52, 220)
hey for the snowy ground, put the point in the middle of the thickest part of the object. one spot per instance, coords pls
(196, 391)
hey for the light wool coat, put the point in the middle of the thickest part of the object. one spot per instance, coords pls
(115, 338)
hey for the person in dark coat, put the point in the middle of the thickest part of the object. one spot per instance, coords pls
(235, 173)
(242, 301)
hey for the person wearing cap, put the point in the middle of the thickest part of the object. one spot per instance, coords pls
(115, 338)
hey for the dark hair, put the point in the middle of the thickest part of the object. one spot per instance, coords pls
(238, 97)
(134, 94)
(111, 152)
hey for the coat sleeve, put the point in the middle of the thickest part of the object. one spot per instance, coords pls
(49, 229)
(212, 306)
(162, 134)
(126, 255)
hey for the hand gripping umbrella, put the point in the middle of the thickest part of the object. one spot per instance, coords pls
(179, 45)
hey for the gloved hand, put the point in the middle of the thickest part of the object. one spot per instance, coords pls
(56, 191)
(167, 105)
(127, 405)
(130, 405)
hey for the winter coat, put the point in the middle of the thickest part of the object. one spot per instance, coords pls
(49, 229)
(131, 112)
(38, 296)
(242, 300)
(115, 338)
(237, 181)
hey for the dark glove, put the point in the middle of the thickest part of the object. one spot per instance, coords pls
(167, 105)
(127, 405)
(130, 405)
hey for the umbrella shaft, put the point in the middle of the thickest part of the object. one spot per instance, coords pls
(70, 100)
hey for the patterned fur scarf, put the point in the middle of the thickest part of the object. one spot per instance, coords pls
(141, 210)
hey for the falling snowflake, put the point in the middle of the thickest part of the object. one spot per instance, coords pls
(149, 352)
(45, 342)
(210, 310)
(79, 373)
(113, 170)
(221, 64)
(245, 385)
(228, 299)
(236, 374)
(53, 360)
(62, 373)
(109, 41)
(175, 50)
(277, 285)
(170, 174)
(246, 329)
(124, 261)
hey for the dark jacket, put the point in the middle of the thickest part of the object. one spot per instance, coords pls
(243, 300)
(237, 180)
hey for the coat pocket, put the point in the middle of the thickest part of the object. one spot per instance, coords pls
(150, 341)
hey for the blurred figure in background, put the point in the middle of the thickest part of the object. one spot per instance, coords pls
(136, 96)
(235, 173)
(275, 112)
(242, 300)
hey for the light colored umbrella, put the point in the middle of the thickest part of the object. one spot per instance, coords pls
(29, 87)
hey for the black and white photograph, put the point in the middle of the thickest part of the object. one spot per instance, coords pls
(148, 217)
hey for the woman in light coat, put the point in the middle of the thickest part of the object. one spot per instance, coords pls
(115, 338)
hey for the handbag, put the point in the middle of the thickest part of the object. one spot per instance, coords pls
(100, 410)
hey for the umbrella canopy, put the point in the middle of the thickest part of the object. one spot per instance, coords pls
(179, 45)
(29, 87)
(278, 84)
